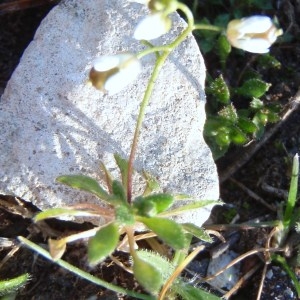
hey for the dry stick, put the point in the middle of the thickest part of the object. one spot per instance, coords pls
(261, 284)
(267, 262)
(241, 257)
(240, 282)
(292, 106)
(254, 195)
(178, 270)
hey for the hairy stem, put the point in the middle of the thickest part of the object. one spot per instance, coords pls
(82, 273)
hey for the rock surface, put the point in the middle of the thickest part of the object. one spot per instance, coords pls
(52, 123)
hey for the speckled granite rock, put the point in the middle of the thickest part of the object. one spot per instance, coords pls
(52, 123)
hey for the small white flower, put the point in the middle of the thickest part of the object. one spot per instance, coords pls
(112, 73)
(254, 34)
(152, 27)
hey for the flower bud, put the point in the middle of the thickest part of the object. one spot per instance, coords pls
(111, 73)
(152, 27)
(255, 34)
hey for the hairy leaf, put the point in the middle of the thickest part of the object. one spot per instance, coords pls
(84, 183)
(169, 231)
(147, 275)
(103, 243)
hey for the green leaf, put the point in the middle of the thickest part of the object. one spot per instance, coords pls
(123, 166)
(292, 197)
(198, 232)
(169, 231)
(188, 292)
(103, 243)
(144, 208)
(246, 125)
(223, 138)
(215, 125)
(152, 184)
(12, 285)
(163, 265)
(124, 215)
(219, 89)
(223, 49)
(153, 204)
(147, 275)
(260, 126)
(119, 191)
(237, 136)
(84, 183)
(222, 19)
(195, 204)
(273, 116)
(260, 118)
(229, 113)
(268, 61)
(108, 177)
(256, 104)
(253, 88)
(282, 261)
(63, 212)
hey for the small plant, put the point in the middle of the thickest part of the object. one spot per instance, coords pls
(121, 221)
(237, 107)
(10, 287)
(228, 125)
(124, 213)
(282, 244)
(286, 234)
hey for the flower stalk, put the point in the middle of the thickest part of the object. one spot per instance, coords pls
(166, 50)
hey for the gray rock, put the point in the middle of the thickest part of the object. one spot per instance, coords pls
(52, 123)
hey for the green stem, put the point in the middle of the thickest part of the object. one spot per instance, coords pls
(282, 261)
(292, 197)
(166, 50)
(82, 273)
(207, 27)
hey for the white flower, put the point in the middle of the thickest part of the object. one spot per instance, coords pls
(254, 34)
(152, 27)
(111, 73)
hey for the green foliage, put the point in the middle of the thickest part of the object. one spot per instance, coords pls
(153, 204)
(288, 223)
(223, 48)
(169, 231)
(147, 275)
(103, 243)
(227, 125)
(253, 88)
(189, 292)
(163, 265)
(84, 183)
(198, 232)
(219, 89)
(206, 39)
(11, 286)
(233, 88)
(62, 212)
(149, 209)
(124, 215)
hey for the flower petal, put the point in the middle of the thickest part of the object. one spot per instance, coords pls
(125, 76)
(254, 45)
(255, 24)
(152, 27)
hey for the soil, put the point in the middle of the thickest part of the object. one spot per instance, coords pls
(257, 183)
